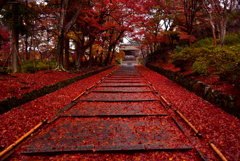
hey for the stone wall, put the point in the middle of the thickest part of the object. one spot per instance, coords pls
(11, 102)
(226, 102)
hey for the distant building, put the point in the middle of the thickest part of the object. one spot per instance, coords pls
(131, 53)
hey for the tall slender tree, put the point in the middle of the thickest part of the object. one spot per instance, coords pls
(220, 10)
(65, 27)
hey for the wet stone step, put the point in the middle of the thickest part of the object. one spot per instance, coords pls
(126, 72)
(119, 97)
(121, 89)
(125, 76)
(116, 109)
(105, 134)
(123, 83)
(124, 79)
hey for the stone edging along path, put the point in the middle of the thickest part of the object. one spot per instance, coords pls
(226, 102)
(11, 102)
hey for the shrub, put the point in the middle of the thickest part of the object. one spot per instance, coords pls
(188, 56)
(179, 48)
(232, 39)
(225, 60)
(41, 66)
(30, 61)
(9, 69)
(235, 48)
(206, 42)
(140, 62)
(234, 75)
(118, 61)
(201, 66)
(29, 68)
(221, 59)
(52, 64)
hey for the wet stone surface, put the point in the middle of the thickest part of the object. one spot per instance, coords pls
(78, 134)
(121, 108)
(120, 113)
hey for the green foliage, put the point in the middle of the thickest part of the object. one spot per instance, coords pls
(201, 66)
(225, 59)
(140, 62)
(232, 39)
(9, 69)
(41, 66)
(179, 48)
(52, 64)
(189, 55)
(203, 42)
(29, 68)
(118, 61)
(234, 75)
(235, 48)
(205, 59)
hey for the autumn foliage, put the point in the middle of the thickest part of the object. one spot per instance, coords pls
(59, 29)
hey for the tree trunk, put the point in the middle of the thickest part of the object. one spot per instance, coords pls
(14, 50)
(66, 62)
(26, 48)
(113, 51)
(79, 55)
(213, 31)
(106, 61)
(101, 58)
(14, 40)
(64, 27)
(59, 56)
(214, 36)
(218, 32)
(61, 35)
(90, 58)
(223, 29)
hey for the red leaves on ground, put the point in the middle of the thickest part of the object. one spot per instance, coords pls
(207, 118)
(24, 82)
(216, 125)
(212, 80)
(20, 120)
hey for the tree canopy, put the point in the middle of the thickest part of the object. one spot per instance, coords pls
(60, 29)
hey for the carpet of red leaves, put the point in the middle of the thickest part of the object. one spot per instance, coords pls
(216, 125)
(20, 120)
(24, 82)
(212, 80)
(30, 114)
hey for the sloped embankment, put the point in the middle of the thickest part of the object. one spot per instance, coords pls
(11, 102)
(227, 102)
